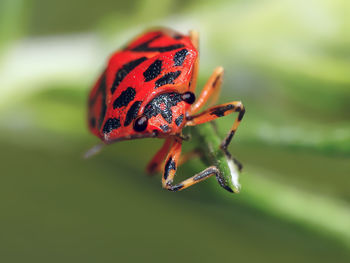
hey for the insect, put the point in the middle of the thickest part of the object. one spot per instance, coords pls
(147, 90)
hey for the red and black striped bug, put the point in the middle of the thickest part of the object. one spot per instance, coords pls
(147, 90)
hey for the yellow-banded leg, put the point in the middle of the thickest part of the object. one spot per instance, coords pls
(210, 91)
(171, 164)
(217, 112)
(155, 165)
(205, 174)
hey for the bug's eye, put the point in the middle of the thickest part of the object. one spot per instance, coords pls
(140, 123)
(188, 97)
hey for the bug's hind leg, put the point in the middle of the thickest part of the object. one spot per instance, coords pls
(171, 165)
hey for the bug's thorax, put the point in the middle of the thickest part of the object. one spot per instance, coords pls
(166, 113)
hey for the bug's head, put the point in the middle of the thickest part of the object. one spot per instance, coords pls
(159, 116)
(164, 114)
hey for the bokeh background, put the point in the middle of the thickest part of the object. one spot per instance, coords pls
(287, 60)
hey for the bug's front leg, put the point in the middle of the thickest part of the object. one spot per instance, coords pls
(217, 112)
(155, 164)
(171, 165)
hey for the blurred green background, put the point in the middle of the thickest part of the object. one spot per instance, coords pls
(287, 60)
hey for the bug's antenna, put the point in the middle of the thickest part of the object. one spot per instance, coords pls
(94, 150)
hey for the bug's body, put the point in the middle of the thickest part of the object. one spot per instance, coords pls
(147, 90)
(159, 62)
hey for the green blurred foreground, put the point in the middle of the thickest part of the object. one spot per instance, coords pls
(288, 61)
(58, 207)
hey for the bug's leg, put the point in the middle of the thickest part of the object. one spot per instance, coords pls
(171, 164)
(194, 36)
(156, 163)
(210, 92)
(205, 174)
(220, 111)
(225, 143)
